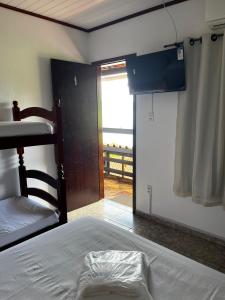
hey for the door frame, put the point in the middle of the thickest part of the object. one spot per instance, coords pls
(100, 135)
(100, 128)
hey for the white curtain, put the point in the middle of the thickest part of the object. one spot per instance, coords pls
(200, 136)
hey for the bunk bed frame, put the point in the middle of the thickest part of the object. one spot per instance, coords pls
(19, 142)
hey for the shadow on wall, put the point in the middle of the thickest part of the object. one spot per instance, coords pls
(47, 102)
(44, 70)
(9, 184)
(5, 111)
(9, 181)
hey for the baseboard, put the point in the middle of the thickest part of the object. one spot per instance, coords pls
(182, 227)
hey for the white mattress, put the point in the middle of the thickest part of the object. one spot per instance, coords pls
(47, 267)
(22, 128)
(20, 216)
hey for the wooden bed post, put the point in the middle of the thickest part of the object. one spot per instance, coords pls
(61, 187)
(20, 152)
(16, 111)
(22, 173)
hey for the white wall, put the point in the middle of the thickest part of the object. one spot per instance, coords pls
(156, 140)
(26, 46)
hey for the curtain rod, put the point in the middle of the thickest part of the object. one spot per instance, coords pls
(173, 45)
(214, 37)
(192, 41)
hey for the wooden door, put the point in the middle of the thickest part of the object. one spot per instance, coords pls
(75, 84)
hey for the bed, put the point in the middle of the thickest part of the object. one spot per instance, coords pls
(47, 267)
(25, 128)
(22, 217)
(22, 133)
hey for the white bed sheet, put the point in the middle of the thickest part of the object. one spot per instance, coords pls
(20, 216)
(47, 267)
(24, 128)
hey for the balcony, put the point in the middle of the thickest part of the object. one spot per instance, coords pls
(118, 159)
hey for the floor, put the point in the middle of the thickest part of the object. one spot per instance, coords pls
(200, 249)
(119, 191)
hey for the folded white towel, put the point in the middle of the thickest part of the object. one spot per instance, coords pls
(122, 273)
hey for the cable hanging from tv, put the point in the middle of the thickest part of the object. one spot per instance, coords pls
(172, 20)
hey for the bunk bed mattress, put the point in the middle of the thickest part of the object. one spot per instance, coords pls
(20, 216)
(24, 128)
(47, 267)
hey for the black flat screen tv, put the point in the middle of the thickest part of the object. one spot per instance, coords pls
(157, 72)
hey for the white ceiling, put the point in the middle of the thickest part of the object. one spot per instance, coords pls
(84, 13)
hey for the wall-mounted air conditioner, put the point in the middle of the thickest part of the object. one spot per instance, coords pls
(215, 14)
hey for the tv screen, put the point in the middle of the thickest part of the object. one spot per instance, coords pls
(157, 72)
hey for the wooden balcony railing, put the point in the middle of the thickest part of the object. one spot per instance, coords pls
(118, 162)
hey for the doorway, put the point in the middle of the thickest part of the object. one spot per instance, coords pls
(118, 118)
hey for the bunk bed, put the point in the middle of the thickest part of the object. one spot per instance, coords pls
(22, 217)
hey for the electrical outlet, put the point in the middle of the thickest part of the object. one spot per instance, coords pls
(151, 116)
(149, 188)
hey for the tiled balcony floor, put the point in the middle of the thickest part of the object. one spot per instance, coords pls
(119, 191)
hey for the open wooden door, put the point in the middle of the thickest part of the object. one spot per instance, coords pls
(75, 85)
